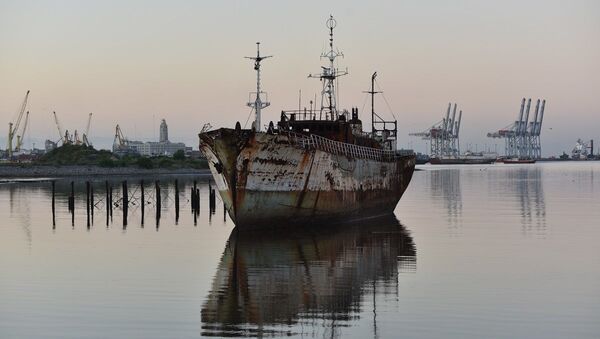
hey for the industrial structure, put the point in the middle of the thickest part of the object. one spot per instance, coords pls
(443, 135)
(13, 129)
(66, 138)
(580, 151)
(522, 138)
(122, 145)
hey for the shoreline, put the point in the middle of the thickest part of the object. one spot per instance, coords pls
(42, 171)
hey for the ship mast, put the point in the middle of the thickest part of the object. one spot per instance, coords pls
(258, 104)
(329, 75)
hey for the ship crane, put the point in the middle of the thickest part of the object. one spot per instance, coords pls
(443, 136)
(522, 137)
(13, 128)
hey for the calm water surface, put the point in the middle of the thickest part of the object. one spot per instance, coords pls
(499, 251)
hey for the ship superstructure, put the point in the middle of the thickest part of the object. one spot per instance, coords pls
(315, 164)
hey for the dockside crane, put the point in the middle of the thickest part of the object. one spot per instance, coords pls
(120, 142)
(522, 137)
(65, 138)
(85, 135)
(21, 136)
(14, 127)
(443, 136)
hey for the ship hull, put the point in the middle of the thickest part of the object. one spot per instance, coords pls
(518, 161)
(461, 161)
(268, 180)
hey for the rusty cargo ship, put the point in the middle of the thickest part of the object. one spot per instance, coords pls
(312, 165)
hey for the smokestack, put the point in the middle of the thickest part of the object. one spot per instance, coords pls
(533, 127)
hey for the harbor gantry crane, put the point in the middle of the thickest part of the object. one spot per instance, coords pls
(443, 135)
(522, 137)
(13, 128)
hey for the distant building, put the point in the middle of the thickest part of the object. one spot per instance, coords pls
(164, 132)
(49, 145)
(152, 148)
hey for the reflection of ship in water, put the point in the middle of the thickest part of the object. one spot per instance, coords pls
(445, 187)
(272, 278)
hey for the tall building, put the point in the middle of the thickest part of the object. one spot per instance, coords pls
(152, 148)
(164, 132)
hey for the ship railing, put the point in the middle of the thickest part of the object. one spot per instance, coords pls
(336, 147)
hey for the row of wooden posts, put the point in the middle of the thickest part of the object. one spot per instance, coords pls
(90, 205)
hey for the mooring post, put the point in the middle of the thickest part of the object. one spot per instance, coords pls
(142, 200)
(72, 203)
(176, 201)
(53, 210)
(107, 199)
(110, 200)
(92, 201)
(87, 202)
(158, 202)
(125, 203)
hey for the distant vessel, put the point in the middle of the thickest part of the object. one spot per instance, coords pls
(580, 151)
(516, 161)
(315, 164)
(469, 158)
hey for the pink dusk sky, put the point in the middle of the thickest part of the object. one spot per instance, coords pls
(133, 63)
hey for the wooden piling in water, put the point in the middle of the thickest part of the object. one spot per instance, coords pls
(53, 209)
(92, 201)
(142, 200)
(158, 202)
(107, 199)
(110, 201)
(176, 201)
(72, 203)
(125, 203)
(87, 202)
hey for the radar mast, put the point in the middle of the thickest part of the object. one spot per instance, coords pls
(258, 104)
(329, 75)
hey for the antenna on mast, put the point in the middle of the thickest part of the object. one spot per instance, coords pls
(258, 104)
(329, 75)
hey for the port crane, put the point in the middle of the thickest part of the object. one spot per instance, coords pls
(120, 142)
(443, 135)
(85, 135)
(65, 137)
(522, 137)
(13, 128)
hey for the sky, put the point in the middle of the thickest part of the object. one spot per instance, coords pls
(133, 63)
